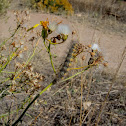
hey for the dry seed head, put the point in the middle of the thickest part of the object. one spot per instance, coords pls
(89, 46)
(37, 75)
(29, 66)
(3, 47)
(95, 47)
(37, 85)
(95, 63)
(63, 29)
(105, 64)
(13, 44)
(41, 77)
(27, 73)
(18, 65)
(35, 81)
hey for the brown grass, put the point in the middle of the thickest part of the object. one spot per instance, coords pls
(112, 8)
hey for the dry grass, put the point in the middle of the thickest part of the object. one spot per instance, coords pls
(109, 8)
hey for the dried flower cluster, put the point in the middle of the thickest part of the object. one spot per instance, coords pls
(96, 56)
(21, 17)
(27, 80)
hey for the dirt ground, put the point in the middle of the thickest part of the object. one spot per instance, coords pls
(60, 106)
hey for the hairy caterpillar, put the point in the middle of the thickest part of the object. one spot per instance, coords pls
(70, 56)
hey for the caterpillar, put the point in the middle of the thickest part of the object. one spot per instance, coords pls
(70, 56)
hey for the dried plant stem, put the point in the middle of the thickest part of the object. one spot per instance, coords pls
(92, 113)
(81, 95)
(87, 115)
(89, 87)
(114, 78)
(36, 118)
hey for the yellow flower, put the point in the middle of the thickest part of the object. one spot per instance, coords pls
(44, 24)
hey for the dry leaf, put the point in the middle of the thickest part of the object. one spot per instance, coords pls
(86, 105)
